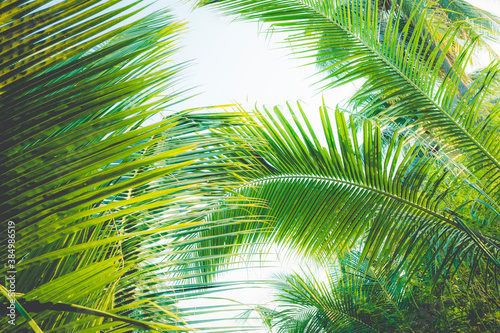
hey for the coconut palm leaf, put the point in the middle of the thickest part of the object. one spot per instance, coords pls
(354, 298)
(476, 23)
(324, 199)
(480, 23)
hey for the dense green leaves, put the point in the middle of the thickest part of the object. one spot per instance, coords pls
(358, 298)
(99, 197)
(354, 298)
(430, 209)
(401, 63)
(117, 217)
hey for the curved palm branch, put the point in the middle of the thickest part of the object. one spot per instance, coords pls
(355, 298)
(324, 199)
(359, 298)
(480, 23)
(475, 23)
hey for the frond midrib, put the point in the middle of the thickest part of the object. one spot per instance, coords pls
(358, 185)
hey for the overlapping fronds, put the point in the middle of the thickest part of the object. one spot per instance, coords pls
(355, 298)
(478, 23)
(114, 220)
(474, 22)
(401, 70)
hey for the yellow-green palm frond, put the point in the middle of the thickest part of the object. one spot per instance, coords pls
(99, 198)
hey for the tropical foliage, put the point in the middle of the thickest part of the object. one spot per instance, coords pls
(358, 298)
(353, 299)
(111, 216)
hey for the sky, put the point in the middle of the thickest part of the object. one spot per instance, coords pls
(234, 61)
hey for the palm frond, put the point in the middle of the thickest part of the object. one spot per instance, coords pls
(99, 200)
(355, 298)
(326, 199)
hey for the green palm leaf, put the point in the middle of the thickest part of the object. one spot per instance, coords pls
(342, 303)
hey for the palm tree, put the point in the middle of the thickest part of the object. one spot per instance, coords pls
(98, 198)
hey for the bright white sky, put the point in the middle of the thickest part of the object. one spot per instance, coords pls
(238, 62)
